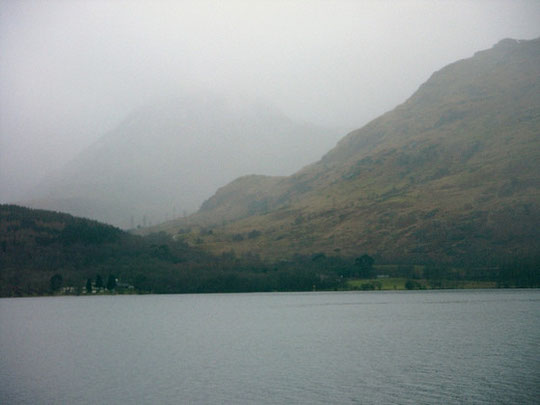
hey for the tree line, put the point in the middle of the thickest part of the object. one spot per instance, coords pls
(43, 252)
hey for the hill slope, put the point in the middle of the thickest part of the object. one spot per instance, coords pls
(45, 252)
(167, 158)
(451, 175)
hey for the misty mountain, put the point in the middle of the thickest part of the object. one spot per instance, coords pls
(452, 175)
(166, 158)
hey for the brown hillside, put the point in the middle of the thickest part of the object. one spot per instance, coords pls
(451, 175)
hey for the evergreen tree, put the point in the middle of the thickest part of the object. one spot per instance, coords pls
(56, 282)
(99, 282)
(365, 266)
(111, 282)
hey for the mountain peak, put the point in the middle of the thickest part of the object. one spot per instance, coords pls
(167, 157)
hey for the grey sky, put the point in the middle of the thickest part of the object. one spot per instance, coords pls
(71, 70)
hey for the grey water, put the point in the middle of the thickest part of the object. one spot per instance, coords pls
(428, 347)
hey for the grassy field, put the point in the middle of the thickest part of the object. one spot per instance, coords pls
(401, 284)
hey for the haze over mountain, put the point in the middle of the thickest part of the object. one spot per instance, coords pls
(451, 175)
(72, 71)
(165, 159)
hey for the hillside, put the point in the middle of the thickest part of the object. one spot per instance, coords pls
(167, 157)
(452, 175)
(37, 245)
(45, 252)
(50, 253)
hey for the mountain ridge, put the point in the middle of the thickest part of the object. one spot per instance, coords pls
(450, 175)
(167, 157)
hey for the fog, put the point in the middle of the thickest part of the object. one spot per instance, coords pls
(72, 70)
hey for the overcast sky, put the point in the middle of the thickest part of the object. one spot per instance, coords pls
(71, 70)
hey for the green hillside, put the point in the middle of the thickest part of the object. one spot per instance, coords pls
(450, 176)
(44, 252)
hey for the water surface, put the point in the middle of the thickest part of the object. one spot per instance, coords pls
(429, 347)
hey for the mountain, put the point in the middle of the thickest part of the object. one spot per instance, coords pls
(166, 158)
(452, 175)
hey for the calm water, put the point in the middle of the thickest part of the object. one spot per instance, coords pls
(450, 347)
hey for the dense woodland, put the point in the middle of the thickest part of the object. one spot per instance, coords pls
(44, 252)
